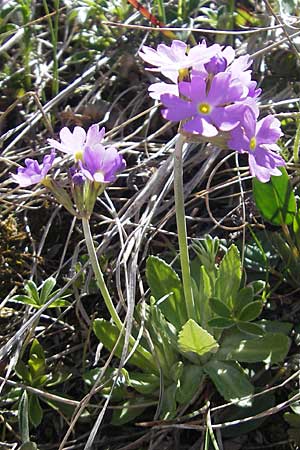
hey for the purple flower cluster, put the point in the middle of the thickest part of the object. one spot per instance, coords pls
(212, 93)
(93, 162)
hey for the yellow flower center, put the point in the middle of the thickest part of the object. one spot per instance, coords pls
(183, 74)
(78, 155)
(252, 143)
(204, 108)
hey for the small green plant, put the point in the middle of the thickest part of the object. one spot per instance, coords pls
(225, 333)
(38, 296)
(35, 374)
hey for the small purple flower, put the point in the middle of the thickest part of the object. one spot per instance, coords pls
(74, 143)
(34, 172)
(170, 61)
(259, 140)
(205, 112)
(101, 164)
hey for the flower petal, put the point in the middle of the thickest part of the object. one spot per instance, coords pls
(94, 136)
(268, 130)
(176, 108)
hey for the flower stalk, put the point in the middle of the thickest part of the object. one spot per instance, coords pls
(181, 227)
(98, 273)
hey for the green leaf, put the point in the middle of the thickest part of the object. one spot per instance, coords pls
(130, 411)
(275, 326)
(169, 406)
(296, 228)
(46, 289)
(25, 300)
(35, 411)
(230, 380)
(144, 383)
(229, 276)
(193, 338)
(32, 291)
(235, 413)
(23, 372)
(275, 199)
(108, 334)
(163, 280)
(37, 369)
(221, 322)
(37, 349)
(258, 286)
(270, 348)
(220, 308)
(251, 311)
(60, 303)
(201, 300)
(244, 296)
(23, 417)
(190, 381)
(250, 328)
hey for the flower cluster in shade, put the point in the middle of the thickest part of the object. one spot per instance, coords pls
(92, 161)
(212, 94)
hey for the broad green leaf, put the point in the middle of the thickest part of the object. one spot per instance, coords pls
(235, 413)
(229, 276)
(144, 383)
(201, 300)
(60, 303)
(58, 378)
(275, 326)
(221, 322)
(258, 286)
(36, 362)
(251, 311)
(270, 348)
(32, 291)
(46, 289)
(129, 411)
(275, 199)
(163, 280)
(193, 338)
(250, 328)
(25, 300)
(37, 349)
(23, 372)
(163, 334)
(35, 410)
(108, 334)
(230, 380)
(220, 308)
(169, 405)
(23, 418)
(190, 381)
(243, 297)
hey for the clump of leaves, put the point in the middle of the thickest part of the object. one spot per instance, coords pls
(38, 296)
(223, 333)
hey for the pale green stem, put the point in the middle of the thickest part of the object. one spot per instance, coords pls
(98, 274)
(181, 227)
(106, 295)
(296, 143)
